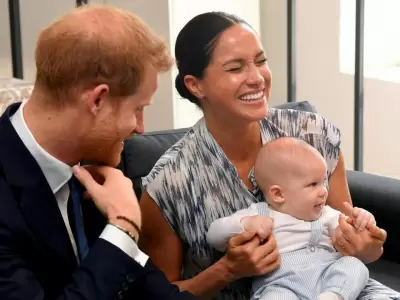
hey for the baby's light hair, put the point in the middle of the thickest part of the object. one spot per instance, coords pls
(282, 159)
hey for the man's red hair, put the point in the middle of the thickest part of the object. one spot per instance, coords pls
(97, 44)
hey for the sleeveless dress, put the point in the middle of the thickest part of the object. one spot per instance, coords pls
(194, 183)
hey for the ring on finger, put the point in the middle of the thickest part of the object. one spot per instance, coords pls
(345, 238)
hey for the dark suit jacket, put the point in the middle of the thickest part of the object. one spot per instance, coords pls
(36, 257)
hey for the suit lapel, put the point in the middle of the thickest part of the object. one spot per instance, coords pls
(36, 199)
(40, 211)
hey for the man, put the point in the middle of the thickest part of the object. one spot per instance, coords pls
(97, 70)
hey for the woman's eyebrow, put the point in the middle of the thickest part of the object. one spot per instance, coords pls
(240, 60)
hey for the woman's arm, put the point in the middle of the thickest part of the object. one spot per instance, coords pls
(166, 251)
(245, 256)
(338, 188)
(364, 245)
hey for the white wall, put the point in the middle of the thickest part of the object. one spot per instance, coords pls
(273, 36)
(319, 79)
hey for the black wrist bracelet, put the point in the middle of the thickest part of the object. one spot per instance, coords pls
(130, 234)
(137, 228)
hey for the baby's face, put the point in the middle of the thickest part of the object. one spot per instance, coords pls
(305, 195)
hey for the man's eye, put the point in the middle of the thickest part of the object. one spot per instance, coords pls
(262, 62)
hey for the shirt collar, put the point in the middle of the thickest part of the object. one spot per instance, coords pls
(56, 172)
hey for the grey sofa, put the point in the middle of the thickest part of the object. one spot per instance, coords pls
(377, 194)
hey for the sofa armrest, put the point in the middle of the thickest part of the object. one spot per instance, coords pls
(381, 196)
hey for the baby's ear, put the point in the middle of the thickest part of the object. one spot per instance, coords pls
(276, 194)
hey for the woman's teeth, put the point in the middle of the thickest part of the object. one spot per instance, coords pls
(252, 97)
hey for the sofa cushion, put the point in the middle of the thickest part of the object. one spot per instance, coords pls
(388, 273)
(141, 152)
(380, 195)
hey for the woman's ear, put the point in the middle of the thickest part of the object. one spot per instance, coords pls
(276, 194)
(194, 86)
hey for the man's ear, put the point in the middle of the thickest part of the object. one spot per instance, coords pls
(276, 194)
(97, 98)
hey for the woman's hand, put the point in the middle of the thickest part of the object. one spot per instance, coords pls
(246, 256)
(366, 245)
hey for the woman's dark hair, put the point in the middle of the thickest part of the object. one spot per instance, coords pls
(195, 44)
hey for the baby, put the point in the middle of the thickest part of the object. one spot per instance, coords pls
(293, 178)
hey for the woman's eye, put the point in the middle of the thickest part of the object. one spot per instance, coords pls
(238, 69)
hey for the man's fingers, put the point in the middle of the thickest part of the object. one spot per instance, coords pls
(85, 178)
(241, 238)
(99, 173)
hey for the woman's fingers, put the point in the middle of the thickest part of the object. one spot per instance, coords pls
(270, 262)
(348, 231)
(379, 233)
(241, 239)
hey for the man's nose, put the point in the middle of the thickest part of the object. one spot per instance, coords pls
(139, 124)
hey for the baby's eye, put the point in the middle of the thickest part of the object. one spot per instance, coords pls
(314, 183)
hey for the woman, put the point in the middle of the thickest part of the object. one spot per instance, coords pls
(208, 174)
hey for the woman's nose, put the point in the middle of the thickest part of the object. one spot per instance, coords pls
(254, 76)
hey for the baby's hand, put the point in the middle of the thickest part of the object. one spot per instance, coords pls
(261, 225)
(362, 219)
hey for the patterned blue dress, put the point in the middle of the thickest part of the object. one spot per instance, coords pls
(194, 183)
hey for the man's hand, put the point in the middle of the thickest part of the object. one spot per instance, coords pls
(112, 193)
(261, 225)
(247, 257)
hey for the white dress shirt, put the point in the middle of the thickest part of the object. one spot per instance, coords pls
(57, 175)
(290, 233)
